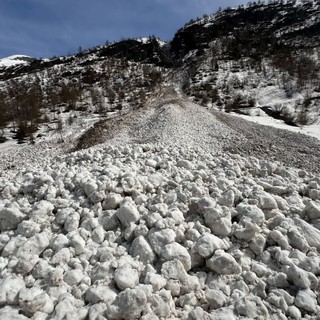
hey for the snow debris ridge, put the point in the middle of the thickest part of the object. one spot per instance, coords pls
(160, 231)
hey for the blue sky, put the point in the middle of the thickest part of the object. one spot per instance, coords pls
(43, 28)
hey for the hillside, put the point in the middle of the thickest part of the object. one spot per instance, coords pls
(133, 187)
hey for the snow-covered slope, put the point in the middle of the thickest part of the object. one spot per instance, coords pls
(14, 61)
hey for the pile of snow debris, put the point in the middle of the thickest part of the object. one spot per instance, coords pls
(157, 232)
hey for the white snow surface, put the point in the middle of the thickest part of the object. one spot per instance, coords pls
(159, 223)
(312, 130)
(14, 60)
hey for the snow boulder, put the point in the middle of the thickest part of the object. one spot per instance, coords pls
(141, 248)
(126, 277)
(207, 244)
(129, 304)
(250, 212)
(128, 213)
(312, 210)
(10, 286)
(223, 263)
(10, 217)
(35, 300)
(175, 250)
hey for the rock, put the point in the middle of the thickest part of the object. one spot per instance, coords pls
(141, 248)
(207, 244)
(159, 238)
(306, 300)
(175, 250)
(126, 277)
(128, 213)
(215, 298)
(223, 263)
(10, 218)
(42, 269)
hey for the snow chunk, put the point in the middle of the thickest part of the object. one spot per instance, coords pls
(307, 300)
(311, 234)
(215, 298)
(98, 293)
(250, 212)
(10, 218)
(140, 247)
(312, 210)
(177, 251)
(34, 246)
(128, 213)
(10, 287)
(251, 307)
(174, 269)
(128, 304)
(156, 280)
(207, 244)
(223, 263)
(35, 300)
(73, 277)
(126, 277)
(159, 238)
(185, 164)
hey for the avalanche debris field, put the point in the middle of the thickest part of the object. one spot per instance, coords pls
(180, 214)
